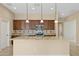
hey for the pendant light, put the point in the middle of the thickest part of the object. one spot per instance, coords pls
(56, 21)
(27, 21)
(41, 21)
(41, 15)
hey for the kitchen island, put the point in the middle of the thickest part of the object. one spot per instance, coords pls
(23, 46)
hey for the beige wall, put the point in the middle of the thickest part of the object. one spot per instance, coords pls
(6, 14)
(75, 17)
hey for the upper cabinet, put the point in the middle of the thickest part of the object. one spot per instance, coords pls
(51, 25)
(16, 25)
(22, 25)
(33, 24)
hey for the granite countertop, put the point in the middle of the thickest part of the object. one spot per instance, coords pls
(34, 37)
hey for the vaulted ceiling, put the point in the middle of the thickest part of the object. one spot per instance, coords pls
(64, 9)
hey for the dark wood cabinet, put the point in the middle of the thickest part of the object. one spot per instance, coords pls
(33, 23)
(51, 25)
(17, 24)
(22, 25)
(46, 24)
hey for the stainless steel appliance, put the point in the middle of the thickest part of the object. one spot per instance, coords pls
(39, 29)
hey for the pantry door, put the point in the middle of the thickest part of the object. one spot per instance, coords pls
(4, 34)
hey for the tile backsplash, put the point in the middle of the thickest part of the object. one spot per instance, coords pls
(33, 32)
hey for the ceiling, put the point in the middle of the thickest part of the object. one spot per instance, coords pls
(64, 9)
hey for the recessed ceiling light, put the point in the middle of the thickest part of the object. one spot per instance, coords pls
(14, 7)
(33, 8)
(51, 8)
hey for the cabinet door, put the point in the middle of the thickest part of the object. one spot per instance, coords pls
(17, 25)
(14, 26)
(51, 24)
(33, 23)
(46, 24)
(23, 24)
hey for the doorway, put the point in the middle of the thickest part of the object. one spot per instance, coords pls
(4, 34)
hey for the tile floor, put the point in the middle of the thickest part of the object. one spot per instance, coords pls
(7, 51)
(74, 50)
